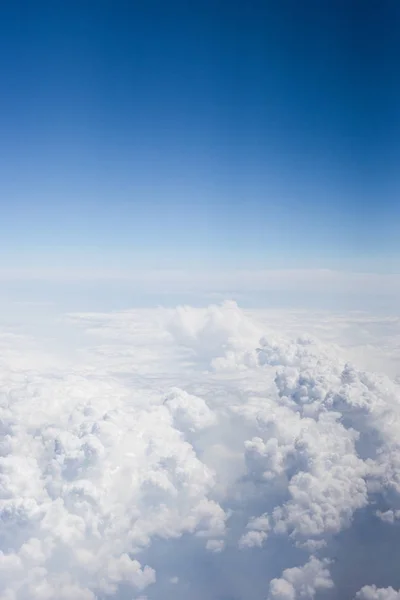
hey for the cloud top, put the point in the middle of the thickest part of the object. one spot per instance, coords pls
(194, 453)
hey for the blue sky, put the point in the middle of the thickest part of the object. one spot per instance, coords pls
(199, 134)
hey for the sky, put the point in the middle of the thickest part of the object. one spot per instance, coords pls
(200, 135)
(199, 300)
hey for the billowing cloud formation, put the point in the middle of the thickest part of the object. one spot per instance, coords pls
(195, 453)
(301, 582)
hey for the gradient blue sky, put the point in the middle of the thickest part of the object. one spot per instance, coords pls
(176, 134)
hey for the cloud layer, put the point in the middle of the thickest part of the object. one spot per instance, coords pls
(195, 453)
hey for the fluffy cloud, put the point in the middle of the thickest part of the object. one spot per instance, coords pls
(189, 412)
(195, 453)
(371, 592)
(301, 582)
(87, 479)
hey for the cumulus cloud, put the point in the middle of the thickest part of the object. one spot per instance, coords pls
(371, 592)
(189, 412)
(196, 453)
(301, 582)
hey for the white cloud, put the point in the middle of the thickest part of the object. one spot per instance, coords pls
(301, 582)
(215, 545)
(371, 592)
(200, 447)
(189, 412)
